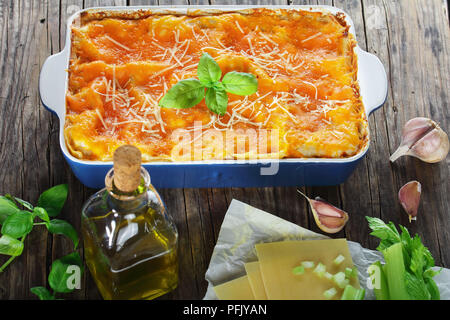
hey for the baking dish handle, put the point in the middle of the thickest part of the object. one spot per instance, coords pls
(52, 83)
(372, 80)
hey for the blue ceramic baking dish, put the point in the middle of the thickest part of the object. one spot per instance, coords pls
(225, 173)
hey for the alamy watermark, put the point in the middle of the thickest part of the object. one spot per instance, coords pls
(74, 279)
(247, 145)
(374, 279)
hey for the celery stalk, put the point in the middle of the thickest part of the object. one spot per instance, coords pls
(395, 272)
(383, 292)
(351, 293)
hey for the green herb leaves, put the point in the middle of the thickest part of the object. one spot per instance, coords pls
(185, 94)
(408, 269)
(7, 208)
(42, 293)
(61, 272)
(216, 100)
(240, 83)
(190, 92)
(10, 246)
(64, 277)
(208, 71)
(57, 226)
(17, 223)
(53, 199)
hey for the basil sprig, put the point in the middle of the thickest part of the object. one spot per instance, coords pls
(18, 218)
(190, 92)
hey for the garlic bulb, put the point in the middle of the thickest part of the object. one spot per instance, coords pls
(424, 139)
(328, 218)
(409, 196)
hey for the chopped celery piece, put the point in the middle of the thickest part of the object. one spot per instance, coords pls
(308, 264)
(348, 272)
(328, 276)
(298, 270)
(320, 270)
(351, 293)
(395, 272)
(330, 293)
(339, 259)
(339, 280)
(351, 273)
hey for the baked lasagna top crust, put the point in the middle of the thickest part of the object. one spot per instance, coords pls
(307, 104)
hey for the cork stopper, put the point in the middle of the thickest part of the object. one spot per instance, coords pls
(127, 168)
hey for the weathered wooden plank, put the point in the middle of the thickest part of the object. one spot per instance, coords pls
(201, 234)
(176, 207)
(414, 52)
(249, 2)
(218, 206)
(13, 93)
(58, 14)
(311, 2)
(143, 2)
(172, 2)
(5, 153)
(35, 135)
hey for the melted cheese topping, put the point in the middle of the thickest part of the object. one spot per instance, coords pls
(307, 103)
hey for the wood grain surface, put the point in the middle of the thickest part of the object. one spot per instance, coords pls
(412, 39)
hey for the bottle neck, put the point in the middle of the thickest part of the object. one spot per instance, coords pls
(127, 200)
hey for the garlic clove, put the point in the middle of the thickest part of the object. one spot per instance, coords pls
(415, 128)
(409, 196)
(433, 147)
(328, 218)
(424, 139)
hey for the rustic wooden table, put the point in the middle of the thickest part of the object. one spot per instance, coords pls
(412, 39)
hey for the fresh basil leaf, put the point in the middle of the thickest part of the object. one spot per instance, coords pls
(53, 199)
(240, 83)
(208, 70)
(18, 224)
(24, 203)
(10, 246)
(216, 101)
(184, 94)
(218, 86)
(42, 293)
(7, 208)
(57, 226)
(59, 276)
(41, 213)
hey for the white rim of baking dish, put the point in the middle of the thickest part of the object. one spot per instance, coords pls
(370, 72)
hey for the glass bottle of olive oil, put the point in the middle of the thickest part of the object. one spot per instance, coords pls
(130, 241)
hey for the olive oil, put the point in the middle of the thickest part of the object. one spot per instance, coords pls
(130, 241)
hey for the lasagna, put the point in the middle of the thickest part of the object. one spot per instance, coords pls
(122, 63)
